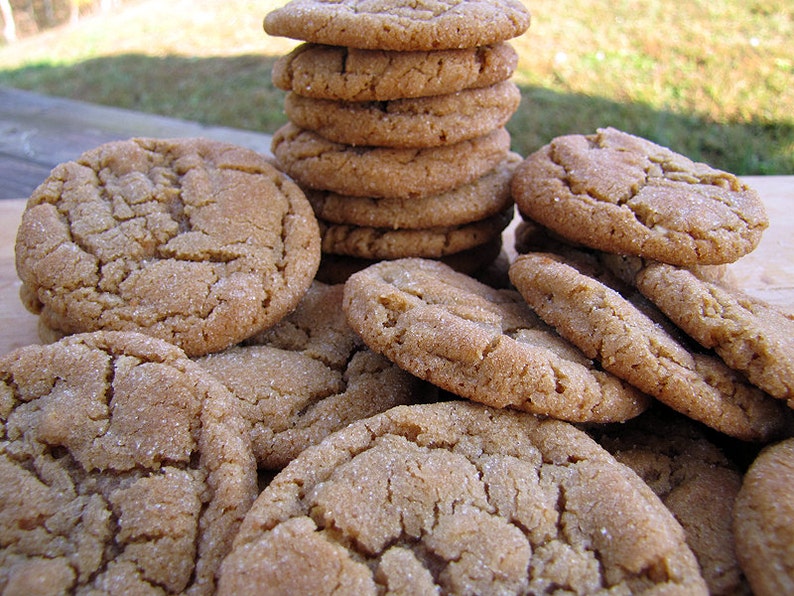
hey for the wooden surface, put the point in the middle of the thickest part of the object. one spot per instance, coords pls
(767, 273)
(37, 132)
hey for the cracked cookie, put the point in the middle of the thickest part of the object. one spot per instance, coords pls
(480, 343)
(486, 196)
(126, 468)
(692, 477)
(625, 341)
(319, 378)
(385, 172)
(623, 194)
(459, 498)
(407, 123)
(763, 521)
(347, 74)
(748, 334)
(194, 241)
(399, 25)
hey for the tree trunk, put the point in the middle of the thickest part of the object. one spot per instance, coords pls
(9, 27)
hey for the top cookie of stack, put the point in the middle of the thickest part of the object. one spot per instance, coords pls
(396, 125)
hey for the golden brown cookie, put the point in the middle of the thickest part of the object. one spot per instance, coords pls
(194, 241)
(693, 478)
(407, 123)
(399, 25)
(380, 172)
(623, 194)
(347, 74)
(750, 335)
(126, 468)
(458, 498)
(630, 344)
(431, 243)
(319, 377)
(480, 343)
(764, 521)
(486, 196)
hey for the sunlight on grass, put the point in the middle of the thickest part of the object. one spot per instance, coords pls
(709, 79)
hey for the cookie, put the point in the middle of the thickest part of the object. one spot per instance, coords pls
(693, 478)
(398, 25)
(407, 123)
(319, 378)
(347, 74)
(487, 260)
(125, 466)
(763, 520)
(486, 196)
(631, 345)
(480, 343)
(431, 243)
(385, 173)
(623, 194)
(750, 335)
(193, 241)
(458, 498)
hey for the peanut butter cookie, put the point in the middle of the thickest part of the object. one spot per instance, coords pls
(459, 498)
(126, 468)
(480, 343)
(194, 241)
(623, 194)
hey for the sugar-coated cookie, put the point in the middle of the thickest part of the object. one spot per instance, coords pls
(347, 74)
(308, 376)
(126, 468)
(384, 172)
(764, 521)
(623, 194)
(459, 498)
(399, 25)
(607, 327)
(480, 343)
(407, 123)
(198, 242)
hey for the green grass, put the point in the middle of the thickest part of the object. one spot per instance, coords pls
(713, 80)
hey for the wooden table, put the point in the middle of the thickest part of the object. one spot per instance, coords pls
(768, 272)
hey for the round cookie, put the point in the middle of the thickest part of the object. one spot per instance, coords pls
(486, 196)
(623, 194)
(126, 468)
(399, 25)
(431, 243)
(459, 499)
(382, 172)
(320, 377)
(692, 477)
(347, 74)
(763, 520)
(407, 123)
(194, 241)
(748, 334)
(480, 343)
(634, 347)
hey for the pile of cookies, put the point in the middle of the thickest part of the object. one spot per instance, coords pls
(397, 127)
(208, 416)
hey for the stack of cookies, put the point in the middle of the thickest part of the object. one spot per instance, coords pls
(396, 127)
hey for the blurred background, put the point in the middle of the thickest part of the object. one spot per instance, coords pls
(712, 79)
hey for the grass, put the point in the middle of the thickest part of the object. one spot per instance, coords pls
(710, 79)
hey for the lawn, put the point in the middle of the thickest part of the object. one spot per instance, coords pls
(713, 80)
